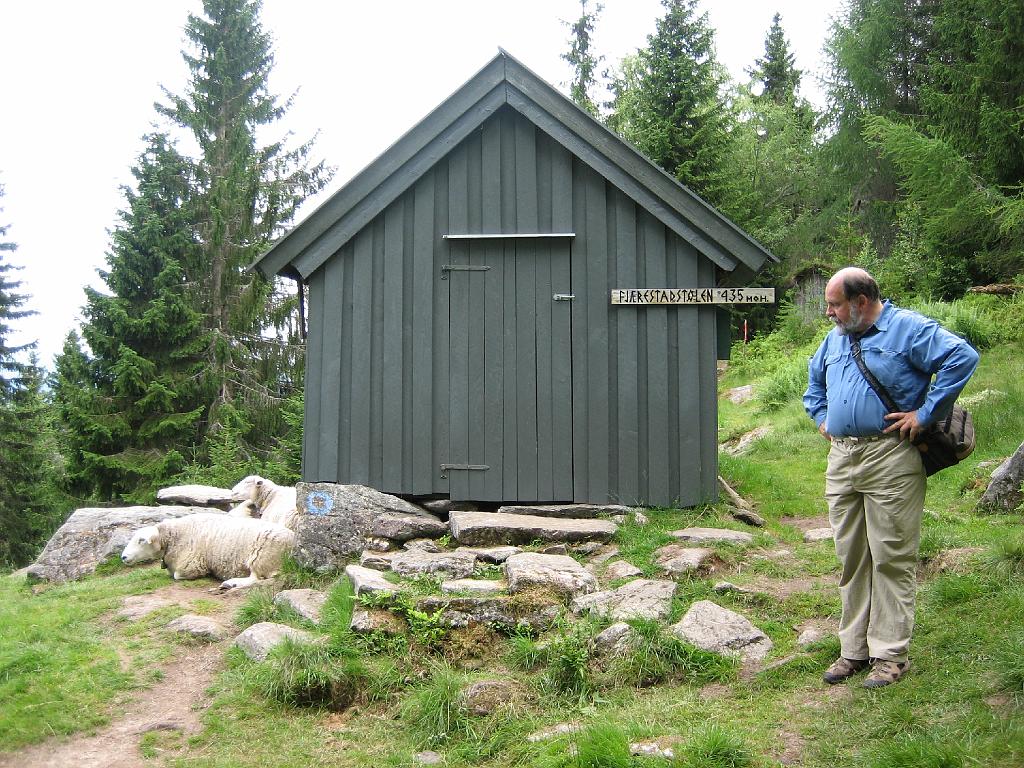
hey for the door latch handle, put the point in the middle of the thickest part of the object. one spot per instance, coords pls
(564, 296)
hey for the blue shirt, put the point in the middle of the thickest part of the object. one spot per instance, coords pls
(904, 350)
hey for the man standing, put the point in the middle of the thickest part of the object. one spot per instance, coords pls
(875, 481)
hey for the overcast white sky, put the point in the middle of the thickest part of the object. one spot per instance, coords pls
(78, 81)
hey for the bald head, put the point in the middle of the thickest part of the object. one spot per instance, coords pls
(852, 300)
(855, 282)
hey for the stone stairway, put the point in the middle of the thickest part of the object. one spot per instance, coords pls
(523, 566)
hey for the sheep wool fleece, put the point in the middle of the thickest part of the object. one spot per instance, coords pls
(222, 546)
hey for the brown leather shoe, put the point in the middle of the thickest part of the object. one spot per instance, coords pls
(844, 668)
(885, 673)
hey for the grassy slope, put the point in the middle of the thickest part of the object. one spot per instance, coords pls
(960, 706)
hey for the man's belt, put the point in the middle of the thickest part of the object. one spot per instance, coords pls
(864, 438)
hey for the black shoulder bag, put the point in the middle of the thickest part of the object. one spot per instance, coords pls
(943, 443)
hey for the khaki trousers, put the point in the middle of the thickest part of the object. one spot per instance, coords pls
(875, 492)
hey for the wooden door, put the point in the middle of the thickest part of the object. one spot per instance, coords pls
(510, 370)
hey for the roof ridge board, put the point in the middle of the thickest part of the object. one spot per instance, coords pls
(727, 232)
(391, 187)
(405, 147)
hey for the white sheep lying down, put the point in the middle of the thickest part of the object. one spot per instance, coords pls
(269, 501)
(240, 550)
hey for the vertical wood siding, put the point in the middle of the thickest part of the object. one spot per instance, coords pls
(379, 410)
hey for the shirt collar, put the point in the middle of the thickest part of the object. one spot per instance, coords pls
(882, 323)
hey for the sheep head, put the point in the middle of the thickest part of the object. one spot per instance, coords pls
(247, 489)
(143, 546)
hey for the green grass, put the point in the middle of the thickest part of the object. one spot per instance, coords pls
(716, 747)
(436, 711)
(602, 745)
(59, 666)
(655, 656)
(309, 675)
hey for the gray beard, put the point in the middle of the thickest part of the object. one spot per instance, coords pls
(851, 325)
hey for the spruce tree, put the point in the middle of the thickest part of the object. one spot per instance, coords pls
(669, 100)
(75, 397)
(770, 166)
(776, 70)
(28, 504)
(31, 504)
(12, 301)
(582, 59)
(185, 341)
(243, 194)
(140, 411)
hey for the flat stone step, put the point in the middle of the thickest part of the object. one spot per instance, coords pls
(494, 611)
(557, 572)
(621, 569)
(675, 559)
(572, 511)
(639, 599)
(368, 580)
(202, 628)
(258, 640)
(308, 603)
(714, 628)
(476, 528)
(378, 561)
(710, 535)
(452, 565)
(818, 534)
(474, 586)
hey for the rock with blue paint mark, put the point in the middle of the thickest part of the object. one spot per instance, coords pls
(337, 522)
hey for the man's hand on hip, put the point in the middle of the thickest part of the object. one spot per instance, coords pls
(906, 423)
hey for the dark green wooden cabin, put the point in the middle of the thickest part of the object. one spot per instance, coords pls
(462, 342)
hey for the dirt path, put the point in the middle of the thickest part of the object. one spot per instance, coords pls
(174, 703)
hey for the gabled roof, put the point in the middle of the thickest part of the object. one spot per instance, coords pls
(504, 80)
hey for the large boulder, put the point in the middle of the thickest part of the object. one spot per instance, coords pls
(1004, 491)
(92, 534)
(336, 522)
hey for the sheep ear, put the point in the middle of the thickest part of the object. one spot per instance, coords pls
(259, 482)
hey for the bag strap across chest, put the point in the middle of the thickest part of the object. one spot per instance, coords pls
(871, 379)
